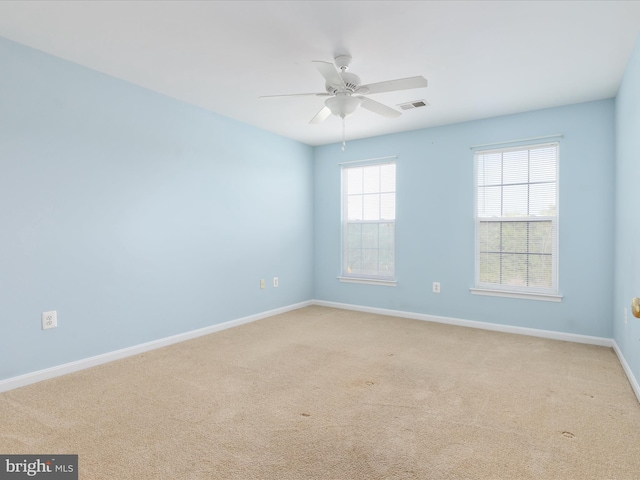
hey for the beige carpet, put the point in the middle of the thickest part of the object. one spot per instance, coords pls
(321, 393)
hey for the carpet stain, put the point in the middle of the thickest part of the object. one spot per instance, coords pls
(568, 434)
(305, 414)
(370, 383)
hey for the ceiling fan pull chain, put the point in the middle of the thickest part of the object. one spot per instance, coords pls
(344, 138)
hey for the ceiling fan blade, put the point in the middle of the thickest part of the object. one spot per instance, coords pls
(324, 94)
(321, 115)
(329, 72)
(378, 108)
(393, 85)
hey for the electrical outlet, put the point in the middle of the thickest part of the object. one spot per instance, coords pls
(436, 287)
(275, 281)
(49, 320)
(262, 283)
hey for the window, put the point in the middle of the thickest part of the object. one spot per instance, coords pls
(517, 221)
(368, 223)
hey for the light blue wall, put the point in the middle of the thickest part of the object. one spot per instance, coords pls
(627, 206)
(435, 228)
(136, 216)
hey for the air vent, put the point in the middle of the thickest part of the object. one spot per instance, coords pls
(414, 104)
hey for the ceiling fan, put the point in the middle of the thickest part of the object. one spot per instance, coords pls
(346, 93)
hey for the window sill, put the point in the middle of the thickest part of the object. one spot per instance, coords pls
(368, 281)
(546, 297)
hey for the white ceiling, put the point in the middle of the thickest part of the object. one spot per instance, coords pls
(481, 58)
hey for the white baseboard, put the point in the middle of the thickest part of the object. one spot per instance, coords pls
(52, 372)
(38, 376)
(568, 337)
(533, 332)
(627, 369)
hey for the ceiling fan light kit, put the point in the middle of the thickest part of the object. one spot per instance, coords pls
(345, 91)
(342, 105)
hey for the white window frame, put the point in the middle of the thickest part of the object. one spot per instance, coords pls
(349, 277)
(496, 289)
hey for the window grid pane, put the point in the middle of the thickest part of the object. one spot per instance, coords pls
(369, 228)
(516, 218)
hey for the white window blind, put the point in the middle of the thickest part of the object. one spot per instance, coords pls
(517, 219)
(369, 212)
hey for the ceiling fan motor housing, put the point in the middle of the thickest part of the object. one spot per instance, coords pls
(351, 82)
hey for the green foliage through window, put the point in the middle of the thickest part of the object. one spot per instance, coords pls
(516, 218)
